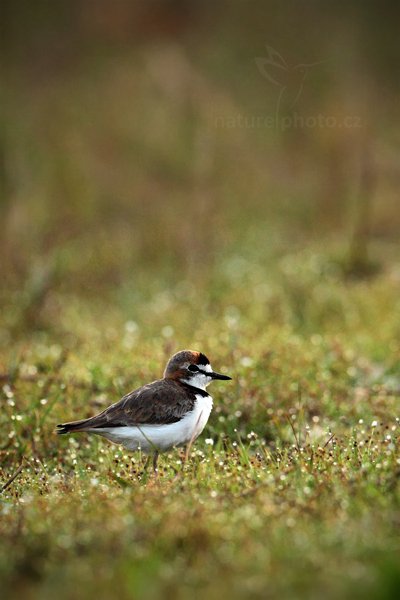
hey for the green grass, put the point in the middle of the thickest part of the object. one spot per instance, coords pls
(292, 490)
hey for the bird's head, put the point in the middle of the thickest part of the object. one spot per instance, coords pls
(193, 368)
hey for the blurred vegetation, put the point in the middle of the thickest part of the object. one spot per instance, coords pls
(161, 190)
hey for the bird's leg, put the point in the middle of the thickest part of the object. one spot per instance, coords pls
(146, 464)
(192, 439)
(188, 448)
(155, 461)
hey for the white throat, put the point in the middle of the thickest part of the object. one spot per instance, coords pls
(198, 380)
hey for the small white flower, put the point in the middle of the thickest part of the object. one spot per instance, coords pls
(246, 361)
(8, 391)
(167, 331)
(209, 441)
(131, 327)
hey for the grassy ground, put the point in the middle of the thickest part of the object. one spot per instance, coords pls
(293, 489)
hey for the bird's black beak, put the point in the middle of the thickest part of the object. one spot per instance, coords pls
(218, 376)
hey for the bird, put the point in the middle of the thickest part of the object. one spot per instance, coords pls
(158, 416)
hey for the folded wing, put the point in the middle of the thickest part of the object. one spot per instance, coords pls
(161, 402)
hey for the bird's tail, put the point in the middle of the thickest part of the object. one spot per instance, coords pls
(72, 426)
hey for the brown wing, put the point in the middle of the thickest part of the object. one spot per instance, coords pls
(160, 402)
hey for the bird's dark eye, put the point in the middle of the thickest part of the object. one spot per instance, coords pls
(193, 368)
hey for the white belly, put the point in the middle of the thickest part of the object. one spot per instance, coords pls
(149, 438)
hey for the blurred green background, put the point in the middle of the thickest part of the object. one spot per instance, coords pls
(144, 145)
